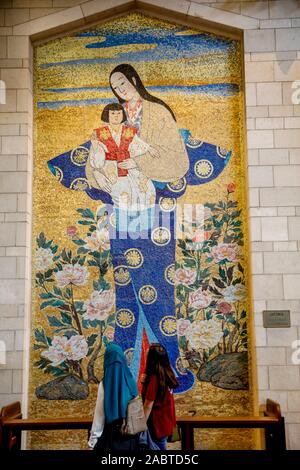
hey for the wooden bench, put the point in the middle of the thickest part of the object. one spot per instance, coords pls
(272, 422)
(12, 424)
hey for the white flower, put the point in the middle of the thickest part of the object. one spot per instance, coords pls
(63, 348)
(183, 326)
(103, 237)
(92, 242)
(72, 274)
(43, 258)
(185, 276)
(199, 299)
(204, 334)
(234, 293)
(99, 305)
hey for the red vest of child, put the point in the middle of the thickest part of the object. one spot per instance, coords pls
(115, 152)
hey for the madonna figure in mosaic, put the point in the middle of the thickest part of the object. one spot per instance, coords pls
(143, 230)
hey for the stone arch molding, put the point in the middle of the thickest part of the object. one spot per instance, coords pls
(209, 18)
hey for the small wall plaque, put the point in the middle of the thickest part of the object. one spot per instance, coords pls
(276, 318)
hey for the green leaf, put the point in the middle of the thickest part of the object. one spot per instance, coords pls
(243, 314)
(46, 295)
(57, 291)
(78, 241)
(222, 273)
(225, 332)
(87, 213)
(66, 318)
(84, 222)
(40, 336)
(91, 339)
(52, 303)
(230, 273)
(219, 283)
(41, 363)
(219, 316)
(53, 321)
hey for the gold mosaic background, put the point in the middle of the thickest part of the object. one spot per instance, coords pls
(215, 119)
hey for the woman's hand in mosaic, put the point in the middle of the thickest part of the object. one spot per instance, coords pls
(127, 164)
(102, 181)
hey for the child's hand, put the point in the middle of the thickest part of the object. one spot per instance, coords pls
(153, 152)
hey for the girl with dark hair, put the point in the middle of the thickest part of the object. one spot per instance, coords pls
(159, 382)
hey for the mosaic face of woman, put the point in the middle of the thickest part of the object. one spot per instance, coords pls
(123, 87)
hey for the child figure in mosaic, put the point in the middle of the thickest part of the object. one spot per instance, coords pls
(116, 142)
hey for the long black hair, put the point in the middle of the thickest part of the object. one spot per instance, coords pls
(158, 364)
(133, 77)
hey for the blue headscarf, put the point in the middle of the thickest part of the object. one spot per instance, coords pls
(119, 385)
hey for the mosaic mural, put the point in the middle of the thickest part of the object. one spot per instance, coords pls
(140, 219)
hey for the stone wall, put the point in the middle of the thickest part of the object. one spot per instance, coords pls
(272, 65)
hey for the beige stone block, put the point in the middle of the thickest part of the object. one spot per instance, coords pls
(284, 377)
(94, 7)
(293, 436)
(281, 336)
(273, 157)
(258, 322)
(228, 6)
(291, 211)
(281, 111)
(287, 138)
(21, 310)
(8, 337)
(267, 286)
(291, 286)
(256, 263)
(287, 70)
(34, 3)
(266, 24)
(8, 163)
(263, 211)
(16, 16)
(17, 217)
(6, 399)
(284, 9)
(255, 9)
(285, 246)
(9, 129)
(24, 163)
(11, 292)
(19, 340)
(292, 122)
(257, 111)
(7, 235)
(1, 17)
(269, 123)
(259, 71)
(269, 93)
(260, 336)
(17, 381)
(16, 251)
(260, 176)
(253, 195)
(262, 246)
(5, 381)
(14, 360)
(11, 104)
(259, 40)
(250, 123)
(8, 268)
(72, 16)
(294, 228)
(260, 139)
(259, 306)
(296, 23)
(293, 305)
(15, 144)
(274, 228)
(22, 202)
(16, 78)
(288, 39)
(3, 46)
(279, 196)
(9, 181)
(67, 3)
(270, 356)
(18, 47)
(295, 156)
(5, 31)
(287, 175)
(21, 268)
(255, 228)
(287, 93)
(21, 234)
(23, 99)
(252, 157)
(294, 400)
(263, 377)
(263, 56)
(222, 17)
(39, 12)
(8, 310)
(250, 94)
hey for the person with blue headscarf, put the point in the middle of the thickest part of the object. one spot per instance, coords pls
(115, 391)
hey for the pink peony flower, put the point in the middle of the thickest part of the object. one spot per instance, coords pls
(185, 276)
(231, 188)
(228, 251)
(199, 299)
(72, 274)
(183, 326)
(98, 307)
(71, 231)
(62, 348)
(224, 307)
